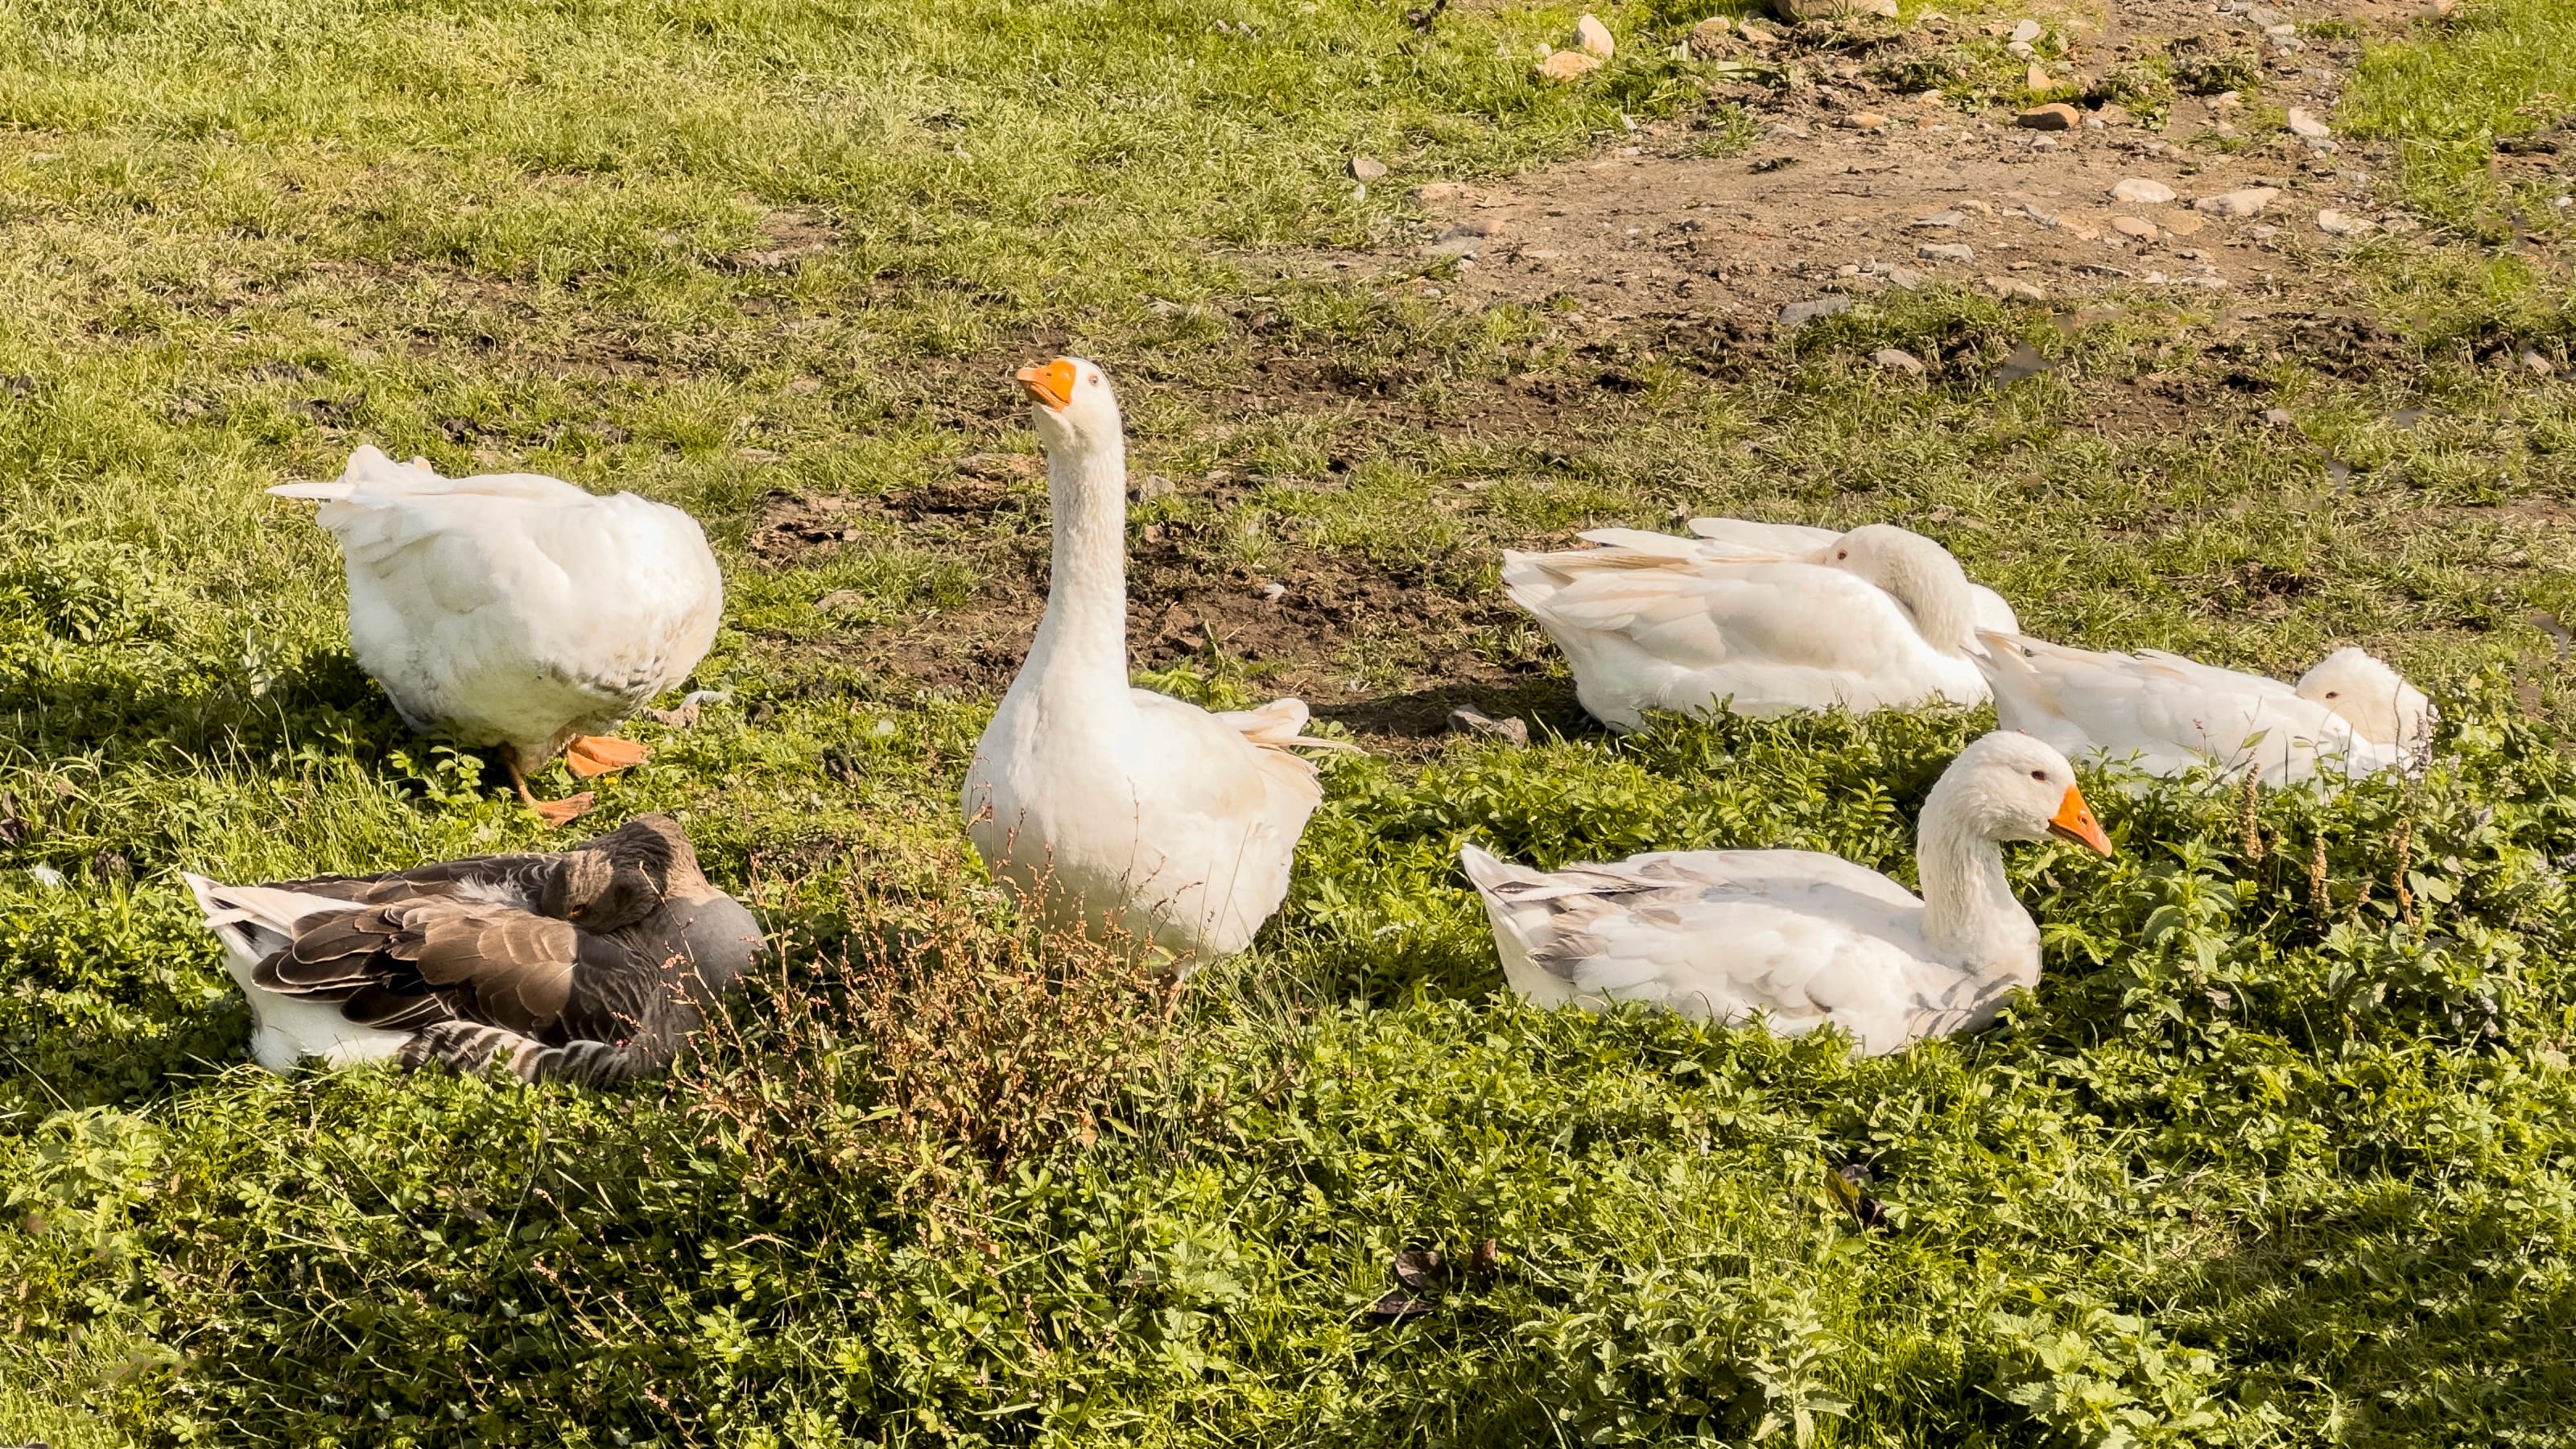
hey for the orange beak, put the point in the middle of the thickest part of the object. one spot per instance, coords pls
(2074, 821)
(1051, 386)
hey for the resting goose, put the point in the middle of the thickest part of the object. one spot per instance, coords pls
(1798, 539)
(2349, 715)
(517, 610)
(1869, 619)
(589, 964)
(1124, 813)
(1801, 937)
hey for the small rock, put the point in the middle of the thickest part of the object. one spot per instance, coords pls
(2183, 223)
(1709, 36)
(1941, 219)
(2141, 191)
(2335, 223)
(2243, 202)
(1479, 226)
(1367, 168)
(2056, 116)
(1273, 592)
(1799, 314)
(2265, 15)
(1593, 38)
(1149, 486)
(2278, 417)
(1905, 277)
(1754, 28)
(2534, 363)
(1469, 721)
(2020, 49)
(2026, 32)
(1865, 121)
(2303, 124)
(2134, 227)
(1946, 252)
(2113, 113)
(1832, 9)
(1434, 193)
(2227, 101)
(2014, 289)
(1896, 359)
(2037, 79)
(1566, 65)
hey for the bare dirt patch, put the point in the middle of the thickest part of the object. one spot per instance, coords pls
(1854, 187)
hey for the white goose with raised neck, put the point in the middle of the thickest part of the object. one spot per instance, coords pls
(1134, 817)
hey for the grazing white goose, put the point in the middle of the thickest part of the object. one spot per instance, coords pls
(1118, 811)
(1801, 937)
(2350, 715)
(517, 610)
(1870, 619)
(590, 964)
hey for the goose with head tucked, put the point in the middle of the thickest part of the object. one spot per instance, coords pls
(1132, 816)
(2351, 715)
(517, 610)
(591, 964)
(1875, 618)
(1801, 938)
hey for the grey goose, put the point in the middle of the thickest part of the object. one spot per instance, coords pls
(591, 964)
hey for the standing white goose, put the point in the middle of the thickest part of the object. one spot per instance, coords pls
(1875, 618)
(1800, 937)
(1115, 810)
(2350, 715)
(517, 610)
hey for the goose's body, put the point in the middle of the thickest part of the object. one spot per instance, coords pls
(1756, 620)
(1801, 938)
(1119, 811)
(2165, 714)
(1799, 540)
(590, 964)
(517, 610)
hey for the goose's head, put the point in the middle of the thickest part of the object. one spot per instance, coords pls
(2013, 786)
(1072, 404)
(1918, 573)
(596, 891)
(2380, 705)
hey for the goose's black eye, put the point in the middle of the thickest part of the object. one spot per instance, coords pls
(2333, 693)
(1841, 554)
(2040, 775)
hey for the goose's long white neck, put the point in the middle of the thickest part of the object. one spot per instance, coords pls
(1943, 607)
(1082, 637)
(1969, 914)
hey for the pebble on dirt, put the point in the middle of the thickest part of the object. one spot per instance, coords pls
(1365, 168)
(2133, 226)
(2243, 202)
(2026, 32)
(1897, 359)
(1593, 38)
(1799, 314)
(1566, 65)
(1709, 37)
(1865, 121)
(2141, 191)
(1946, 252)
(2056, 116)
(2304, 124)
(2335, 223)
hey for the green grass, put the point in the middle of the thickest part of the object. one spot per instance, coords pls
(2250, 1167)
(2500, 70)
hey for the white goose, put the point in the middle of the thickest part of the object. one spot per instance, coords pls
(1127, 814)
(1800, 937)
(2350, 715)
(517, 610)
(1869, 619)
